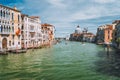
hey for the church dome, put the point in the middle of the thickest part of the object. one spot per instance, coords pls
(78, 30)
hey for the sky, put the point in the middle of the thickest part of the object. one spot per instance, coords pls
(65, 15)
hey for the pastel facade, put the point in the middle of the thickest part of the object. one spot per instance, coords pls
(31, 31)
(88, 37)
(10, 25)
(116, 37)
(105, 34)
(48, 33)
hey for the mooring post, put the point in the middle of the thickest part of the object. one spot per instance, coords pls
(108, 49)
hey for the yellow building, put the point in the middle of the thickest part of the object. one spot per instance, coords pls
(48, 33)
(10, 25)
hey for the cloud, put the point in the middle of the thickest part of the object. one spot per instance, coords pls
(104, 1)
(56, 3)
(67, 14)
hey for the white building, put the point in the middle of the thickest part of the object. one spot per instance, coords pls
(31, 31)
(10, 24)
(78, 30)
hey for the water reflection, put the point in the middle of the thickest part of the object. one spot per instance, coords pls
(73, 61)
(108, 63)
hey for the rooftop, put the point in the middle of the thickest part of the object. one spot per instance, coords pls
(15, 9)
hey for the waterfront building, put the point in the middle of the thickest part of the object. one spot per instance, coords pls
(116, 37)
(31, 31)
(48, 31)
(78, 30)
(83, 36)
(88, 37)
(76, 36)
(105, 33)
(10, 25)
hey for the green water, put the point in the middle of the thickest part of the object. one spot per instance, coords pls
(71, 61)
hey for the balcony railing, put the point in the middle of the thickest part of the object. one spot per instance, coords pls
(32, 38)
(6, 32)
(32, 31)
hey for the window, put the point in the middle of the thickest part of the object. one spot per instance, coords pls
(12, 23)
(9, 43)
(12, 36)
(12, 16)
(13, 29)
(0, 29)
(1, 13)
(108, 37)
(13, 43)
(18, 18)
(22, 27)
(4, 14)
(19, 37)
(108, 32)
(18, 43)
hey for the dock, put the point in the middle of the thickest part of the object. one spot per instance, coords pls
(3, 52)
(19, 51)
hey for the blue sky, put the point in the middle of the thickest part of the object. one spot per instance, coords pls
(65, 15)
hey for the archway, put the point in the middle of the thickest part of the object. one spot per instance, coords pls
(4, 43)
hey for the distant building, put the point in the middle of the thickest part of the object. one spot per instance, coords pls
(10, 26)
(48, 31)
(78, 30)
(75, 37)
(31, 31)
(88, 37)
(105, 34)
(116, 35)
(80, 35)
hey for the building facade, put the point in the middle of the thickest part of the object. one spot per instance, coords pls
(78, 30)
(31, 31)
(88, 37)
(48, 31)
(116, 36)
(10, 25)
(82, 35)
(105, 34)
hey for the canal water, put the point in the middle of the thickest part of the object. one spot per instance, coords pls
(63, 61)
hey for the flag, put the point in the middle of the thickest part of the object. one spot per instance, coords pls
(18, 31)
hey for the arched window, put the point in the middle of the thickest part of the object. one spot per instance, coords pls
(22, 27)
(4, 29)
(18, 18)
(9, 29)
(6, 14)
(1, 13)
(12, 29)
(1, 28)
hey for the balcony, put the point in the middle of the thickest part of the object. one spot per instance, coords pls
(7, 33)
(32, 31)
(32, 38)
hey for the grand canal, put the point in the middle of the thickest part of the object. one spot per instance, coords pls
(71, 61)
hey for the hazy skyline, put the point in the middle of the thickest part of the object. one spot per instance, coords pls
(65, 15)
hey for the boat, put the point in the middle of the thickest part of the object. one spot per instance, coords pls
(19, 51)
(3, 53)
